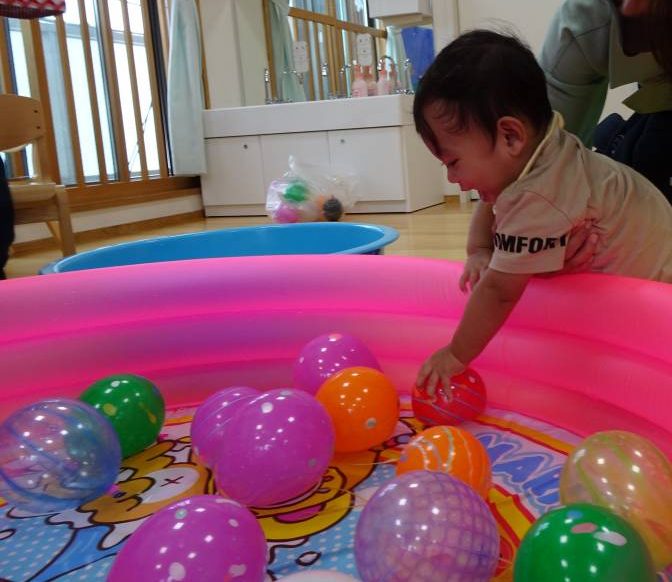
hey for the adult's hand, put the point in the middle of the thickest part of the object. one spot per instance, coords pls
(581, 250)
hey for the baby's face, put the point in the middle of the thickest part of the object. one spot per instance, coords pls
(471, 158)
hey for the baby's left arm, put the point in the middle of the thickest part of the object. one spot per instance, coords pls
(488, 307)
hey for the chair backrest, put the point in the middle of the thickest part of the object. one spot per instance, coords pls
(23, 124)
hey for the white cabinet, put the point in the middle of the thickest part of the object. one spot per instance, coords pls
(234, 172)
(248, 147)
(310, 148)
(375, 156)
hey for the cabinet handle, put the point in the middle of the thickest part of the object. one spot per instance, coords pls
(244, 146)
(342, 140)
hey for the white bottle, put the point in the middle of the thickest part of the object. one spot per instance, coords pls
(359, 87)
(383, 84)
(371, 86)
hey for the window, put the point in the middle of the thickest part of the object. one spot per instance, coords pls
(102, 76)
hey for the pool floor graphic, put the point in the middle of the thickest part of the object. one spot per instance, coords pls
(315, 531)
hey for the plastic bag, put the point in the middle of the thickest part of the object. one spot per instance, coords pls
(310, 193)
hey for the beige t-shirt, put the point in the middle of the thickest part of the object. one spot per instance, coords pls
(565, 184)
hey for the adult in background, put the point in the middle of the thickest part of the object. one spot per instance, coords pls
(592, 45)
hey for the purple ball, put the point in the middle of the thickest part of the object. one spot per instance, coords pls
(286, 213)
(327, 354)
(211, 417)
(276, 448)
(205, 538)
(425, 526)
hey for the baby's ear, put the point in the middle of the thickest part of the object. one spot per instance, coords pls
(513, 134)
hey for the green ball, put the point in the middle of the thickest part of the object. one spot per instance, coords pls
(583, 543)
(296, 192)
(133, 405)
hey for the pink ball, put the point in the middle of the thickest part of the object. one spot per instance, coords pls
(276, 447)
(286, 213)
(224, 537)
(327, 354)
(211, 417)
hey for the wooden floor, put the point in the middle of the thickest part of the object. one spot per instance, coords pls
(437, 232)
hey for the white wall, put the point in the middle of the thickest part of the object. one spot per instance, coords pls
(93, 219)
(529, 19)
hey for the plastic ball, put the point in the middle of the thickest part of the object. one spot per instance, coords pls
(463, 400)
(296, 192)
(332, 209)
(629, 475)
(423, 527)
(57, 455)
(363, 405)
(276, 447)
(133, 405)
(582, 542)
(205, 538)
(327, 354)
(212, 415)
(451, 450)
(286, 214)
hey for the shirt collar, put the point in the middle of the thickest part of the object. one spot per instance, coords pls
(556, 124)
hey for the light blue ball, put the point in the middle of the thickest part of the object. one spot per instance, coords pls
(56, 455)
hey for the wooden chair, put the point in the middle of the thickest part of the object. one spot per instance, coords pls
(37, 198)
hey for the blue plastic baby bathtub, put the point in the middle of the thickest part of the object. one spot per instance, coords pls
(310, 238)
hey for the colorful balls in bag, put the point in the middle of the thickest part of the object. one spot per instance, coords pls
(133, 405)
(275, 448)
(424, 527)
(451, 450)
(327, 354)
(211, 417)
(363, 405)
(205, 538)
(629, 475)
(580, 543)
(463, 400)
(56, 455)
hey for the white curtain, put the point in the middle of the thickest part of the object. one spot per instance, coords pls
(287, 84)
(185, 91)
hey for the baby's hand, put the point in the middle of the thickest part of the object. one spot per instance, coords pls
(439, 368)
(474, 268)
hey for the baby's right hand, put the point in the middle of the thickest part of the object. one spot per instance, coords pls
(474, 268)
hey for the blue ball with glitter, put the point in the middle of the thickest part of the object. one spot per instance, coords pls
(56, 455)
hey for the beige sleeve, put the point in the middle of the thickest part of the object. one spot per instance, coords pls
(530, 236)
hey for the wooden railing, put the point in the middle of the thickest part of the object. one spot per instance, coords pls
(337, 49)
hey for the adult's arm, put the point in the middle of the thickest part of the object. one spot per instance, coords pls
(575, 60)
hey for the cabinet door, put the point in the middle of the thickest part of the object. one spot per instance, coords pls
(311, 147)
(234, 172)
(376, 157)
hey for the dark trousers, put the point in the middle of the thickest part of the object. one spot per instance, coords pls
(643, 142)
(6, 220)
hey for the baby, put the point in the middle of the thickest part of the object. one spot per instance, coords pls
(482, 109)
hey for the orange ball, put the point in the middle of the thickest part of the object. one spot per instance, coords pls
(363, 405)
(452, 450)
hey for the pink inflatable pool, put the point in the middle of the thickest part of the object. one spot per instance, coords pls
(581, 353)
(585, 352)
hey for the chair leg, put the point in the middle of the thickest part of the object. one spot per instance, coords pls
(67, 236)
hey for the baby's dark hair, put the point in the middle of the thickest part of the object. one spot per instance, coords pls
(482, 76)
